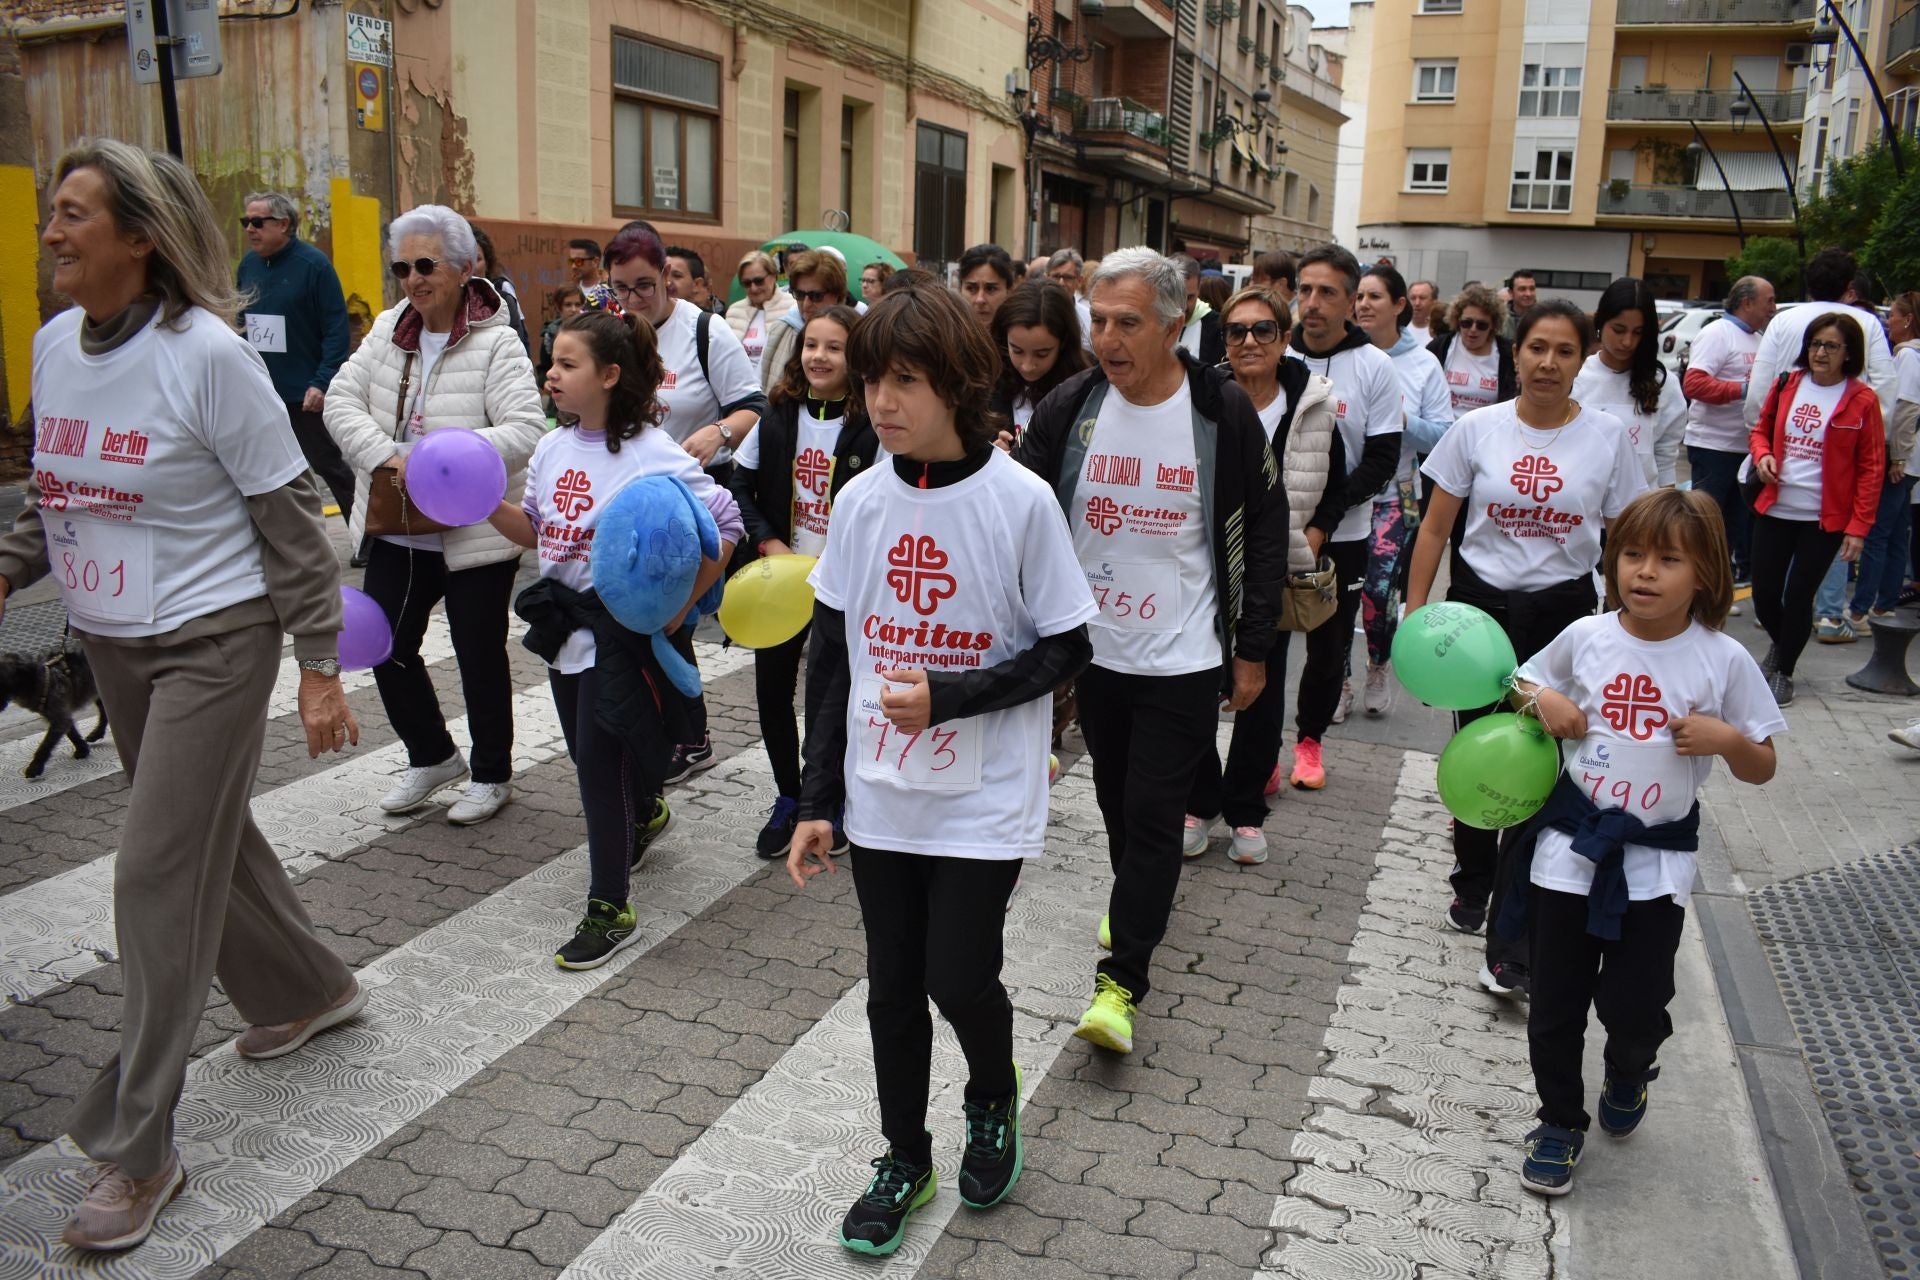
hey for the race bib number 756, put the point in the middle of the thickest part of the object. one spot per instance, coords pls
(941, 757)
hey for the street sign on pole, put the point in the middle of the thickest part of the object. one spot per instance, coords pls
(170, 40)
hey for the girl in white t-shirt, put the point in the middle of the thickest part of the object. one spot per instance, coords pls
(950, 603)
(620, 715)
(1624, 377)
(786, 476)
(1538, 477)
(1037, 334)
(1644, 696)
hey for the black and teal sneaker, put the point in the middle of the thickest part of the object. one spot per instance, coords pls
(1622, 1107)
(991, 1163)
(603, 931)
(1551, 1154)
(879, 1217)
(650, 828)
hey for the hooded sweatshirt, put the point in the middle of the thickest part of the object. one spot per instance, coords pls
(1367, 410)
(1425, 397)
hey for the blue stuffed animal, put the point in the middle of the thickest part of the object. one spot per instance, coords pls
(647, 549)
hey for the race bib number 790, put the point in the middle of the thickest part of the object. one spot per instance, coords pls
(941, 757)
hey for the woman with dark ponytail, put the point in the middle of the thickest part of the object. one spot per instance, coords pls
(620, 713)
(1037, 333)
(1624, 377)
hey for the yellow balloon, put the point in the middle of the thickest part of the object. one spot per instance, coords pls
(769, 602)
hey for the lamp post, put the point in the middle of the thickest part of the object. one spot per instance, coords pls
(1042, 48)
(1699, 145)
(1824, 35)
(1738, 111)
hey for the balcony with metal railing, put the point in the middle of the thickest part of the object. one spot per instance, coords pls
(1618, 200)
(1124, 136)
(1783, 107)
(1703, 13)
(1903, 42)
(1123, 115)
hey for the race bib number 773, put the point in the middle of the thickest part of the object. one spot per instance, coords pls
(941, 757)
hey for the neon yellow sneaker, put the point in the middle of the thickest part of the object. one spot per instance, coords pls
(1108, 1021)
(1105, 935)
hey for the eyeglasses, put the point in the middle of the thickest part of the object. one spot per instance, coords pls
(425, 266)
(257, 223)
(1476, 325)
(643, 289)
(581, 261)
(1065, 278)
(753, 282)
(813, 295)
(1264, 332)
(1828, 347)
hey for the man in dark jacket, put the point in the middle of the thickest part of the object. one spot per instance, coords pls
(1173, 499)
(297, 321)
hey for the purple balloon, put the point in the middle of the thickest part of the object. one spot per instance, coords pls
(456, 477)
(366, 639)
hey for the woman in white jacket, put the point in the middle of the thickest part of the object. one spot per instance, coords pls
(752, 318)
(444, 357)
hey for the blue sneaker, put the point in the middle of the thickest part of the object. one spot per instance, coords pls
(777, 836)
(1552, 1152)
(879, 1217)
(1622, 1107)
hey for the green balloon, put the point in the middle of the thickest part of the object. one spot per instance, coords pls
(1498, 771)
(1453, 656)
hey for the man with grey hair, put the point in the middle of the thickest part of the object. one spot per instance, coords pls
(1200, 331)
(1172, 494)
(1064, 268)
(1420, 296)
(1718, 366)
(297, 321)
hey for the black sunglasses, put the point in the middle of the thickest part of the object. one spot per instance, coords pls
(425, 266)
(1264, 332)
(1476, 324)
(754, 282)
(257, 223)
(812, 295)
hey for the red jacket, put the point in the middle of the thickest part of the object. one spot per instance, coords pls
(1853, 455)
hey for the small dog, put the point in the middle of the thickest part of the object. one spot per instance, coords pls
(57, 686)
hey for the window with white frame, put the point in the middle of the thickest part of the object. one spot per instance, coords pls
(1442, 6)
(1550, 80)
(1819, 155)
(1434, 79)
(1427, 168)
(1542, 179)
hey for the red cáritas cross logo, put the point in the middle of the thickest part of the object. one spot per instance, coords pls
(1103, 515)
(811, 469)
(573, 495)
(916, 576)
(1631, 704)
(1535, 476)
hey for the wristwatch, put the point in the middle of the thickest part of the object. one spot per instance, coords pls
(328, 667)
(726, 433)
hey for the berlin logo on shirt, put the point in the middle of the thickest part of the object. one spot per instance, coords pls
(811, 469)
(129, 446)
(916, 576)
(1177, 479)
(572, 494)
(1103, 515)
(1535, 476)
(1631, 704)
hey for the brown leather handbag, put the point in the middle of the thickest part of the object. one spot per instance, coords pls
(390, 511)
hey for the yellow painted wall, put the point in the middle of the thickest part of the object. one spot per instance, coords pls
(486, 66)
(19, 303)
(356, 245)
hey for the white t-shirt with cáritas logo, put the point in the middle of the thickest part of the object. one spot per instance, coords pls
(1724, 350)
(1366, 402)
(1535, 500)
(1655, 436)
(1139, 530)
(690, 400)
(754, 340)
(145, 457)
(570, 481)
(958, 578)
(812, 478)
(1806, 440)
(1473, 381)
(1631, 691)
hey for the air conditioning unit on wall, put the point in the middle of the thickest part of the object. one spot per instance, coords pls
(1799, 53)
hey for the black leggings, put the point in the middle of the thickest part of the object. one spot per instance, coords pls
(1238, 792)
(608, 782)
(1790, 557)
(1330, 645)
(776, 675)
(934, 929)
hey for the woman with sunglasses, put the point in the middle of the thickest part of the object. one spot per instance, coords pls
(765, 303)
(1821, 455)
(444, 357)
(1475, 356)
(1296, 408)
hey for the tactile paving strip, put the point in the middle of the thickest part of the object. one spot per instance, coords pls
(1845, 947)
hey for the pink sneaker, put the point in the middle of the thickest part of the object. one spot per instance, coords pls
(118, 1211)
(1273, 783)
(1308, 775)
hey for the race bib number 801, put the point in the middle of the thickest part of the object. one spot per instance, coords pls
(105, 571)
(941, 757)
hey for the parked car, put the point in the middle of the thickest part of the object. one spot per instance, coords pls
(1677, 333)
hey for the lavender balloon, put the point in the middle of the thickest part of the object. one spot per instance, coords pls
(456, 477)
(366, 638)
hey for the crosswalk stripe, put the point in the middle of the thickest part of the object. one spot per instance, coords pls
(761, 1192)
(64, 772)
(257, 1136)
(56, 929)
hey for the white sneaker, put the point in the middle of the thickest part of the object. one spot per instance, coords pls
(418, 784)
(482, 801)
(1249, 846)
(1907, 737)
(1344, 707)
(1379, 695)
(1193, 836)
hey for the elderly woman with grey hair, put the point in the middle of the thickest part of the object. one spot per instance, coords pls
(444, 357)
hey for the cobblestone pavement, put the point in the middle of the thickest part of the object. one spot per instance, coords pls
(1317, 1090)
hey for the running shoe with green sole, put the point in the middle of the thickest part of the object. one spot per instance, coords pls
(651, 828)
(1105, 934)
(1108, 1021)
(602, 932)
(878, 1219)
(994, 1155)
